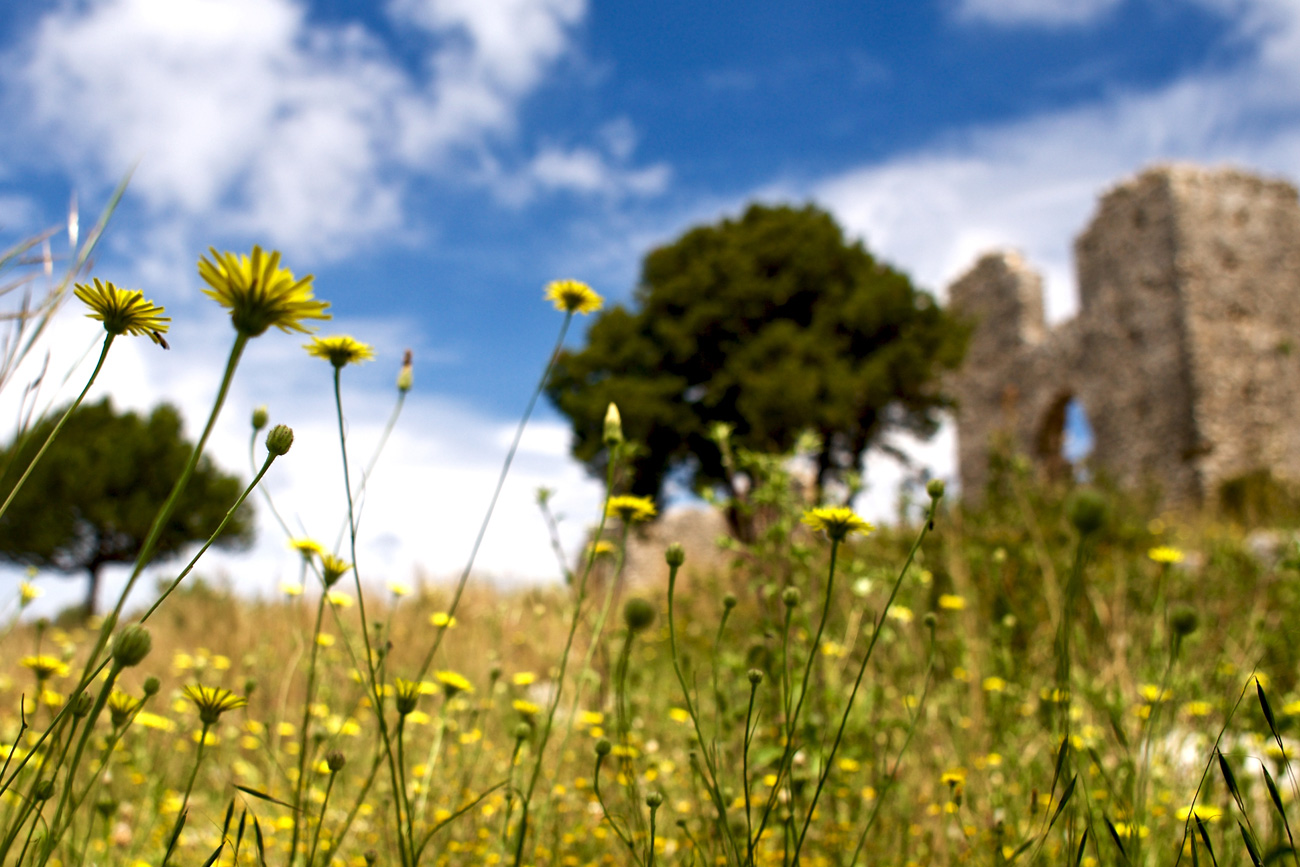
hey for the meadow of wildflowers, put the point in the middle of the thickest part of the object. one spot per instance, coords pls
(1052, 677)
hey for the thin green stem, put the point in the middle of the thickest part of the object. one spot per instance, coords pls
(496, 493)
(829, 760)
(303, 739)
(108, 341)
(320, 822)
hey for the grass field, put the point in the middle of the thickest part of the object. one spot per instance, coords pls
(1058, 675)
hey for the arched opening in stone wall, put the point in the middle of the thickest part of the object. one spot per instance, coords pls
(1064, 438)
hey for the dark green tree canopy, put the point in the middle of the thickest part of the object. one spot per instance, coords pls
(774, 324)
(94, 495)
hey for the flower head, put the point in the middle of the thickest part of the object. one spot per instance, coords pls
(453, 683)
(124, 311)
(121, 706)
(837, 521)
(259, 293)
(339, 350)
(628, 508)
(572, 296)
(44, 666)
(333, 568)
(307, 547)
(212, 701)
(1165, 554)
(407, 696)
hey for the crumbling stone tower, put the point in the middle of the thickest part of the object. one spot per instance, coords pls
(1185, 352)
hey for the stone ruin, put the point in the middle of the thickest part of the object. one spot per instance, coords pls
(1184, 353)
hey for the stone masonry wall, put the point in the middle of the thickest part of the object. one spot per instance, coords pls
(1182, 351)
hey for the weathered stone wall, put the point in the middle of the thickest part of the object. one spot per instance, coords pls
(1181, 353)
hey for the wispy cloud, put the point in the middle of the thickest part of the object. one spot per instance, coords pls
(1040, 13)
(253, 119)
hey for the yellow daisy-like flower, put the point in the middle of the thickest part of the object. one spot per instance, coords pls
(1204, 812)
(212, 701)
(28, 593)
(259, 293)
(526, 708)
(308, 548)
(121, 706)
(339, 600)
(333, 568)
(124, 311)
(44, 666)
(339, 350)
(629, 509)
(452, 682)
(571, 296)
(837, 521)
(1165, 554)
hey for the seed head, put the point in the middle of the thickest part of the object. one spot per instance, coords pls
(279, 440)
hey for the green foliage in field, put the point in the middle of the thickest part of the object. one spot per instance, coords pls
(772, 324)
(93, 497)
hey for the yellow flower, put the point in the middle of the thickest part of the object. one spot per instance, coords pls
(573, 297)
(630, 509)
(526, 708)
(339, 600)
(333, 568)
(994, 684)
(339, 350)
(952, 602)
(1203, 812)
(954, 777)
(837, 521)
(308, 548)
(124, 311)
(452, 682)
(259, 293)
(442, 620)
(44, 666)
(154, 721)
(1165, 554)
(212, 701)
(121, 706)
(289, 589)
(524, 678)
(27, 593)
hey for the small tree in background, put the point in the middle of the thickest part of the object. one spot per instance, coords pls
(94, 495)
(773, 325)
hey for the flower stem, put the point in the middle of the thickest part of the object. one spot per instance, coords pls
(108, 341)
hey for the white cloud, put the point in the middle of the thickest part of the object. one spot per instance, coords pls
(247, 117)
(1049, 13)
(584, 170)
(431, 485)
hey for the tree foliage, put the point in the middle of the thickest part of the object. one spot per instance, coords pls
(94, 495)
(774, 325)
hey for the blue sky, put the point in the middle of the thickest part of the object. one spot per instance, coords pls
(435, 162)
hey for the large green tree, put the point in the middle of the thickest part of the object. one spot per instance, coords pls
(774, 324)
(95, 493)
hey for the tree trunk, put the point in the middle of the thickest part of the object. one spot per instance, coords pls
(91, 605)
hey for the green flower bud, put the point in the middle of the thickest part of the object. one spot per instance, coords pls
(260, 417)
(654, 800)
(729, 601)
(335, 761)
(638, 614)
(279, 439)
(131, 646)
(371, 857)
(522, 731)
(406, 376)
(152, 685)
(790, 596)
(43, 791)
(675, 555)
(1087, 511)
(613, 426)
(934, 488)
(755, 676)
(1184, 620)
(81, 706)
(603, 747)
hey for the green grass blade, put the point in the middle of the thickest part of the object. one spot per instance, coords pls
(1205, 837)
(1250, 845)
